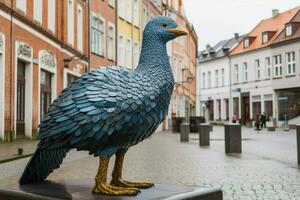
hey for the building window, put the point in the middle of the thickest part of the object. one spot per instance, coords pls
(209, 80)
(277, 66)
(128, 53)
(265, 38)
(121, 8)
(112, 3)
(288, 103)
(145, 17)
(246, 43)
(71, 78)
(22, 5)
(71, 22)
(217, 78)
(121, 51)
(268, 98)
(268, 67)
(245, 69)
(203, 80)
(256, 106)
(38, 10)
(128, 10)
(97, 45)
(111, 42)
(136, 13)
(236, 73)
(45, 94)
(135, 54)
(223, 77)
(291, 63)
(79, 28)
(288, 30)
(257, 68)
(51, 15)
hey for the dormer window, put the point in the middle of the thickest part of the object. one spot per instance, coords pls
(265, 38)
(288, 30)
(246, 43)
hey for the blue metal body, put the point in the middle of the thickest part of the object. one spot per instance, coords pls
(108, 109)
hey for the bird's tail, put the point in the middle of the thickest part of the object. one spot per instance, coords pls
(41, 164)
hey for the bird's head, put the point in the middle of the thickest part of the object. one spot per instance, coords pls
(163, 28)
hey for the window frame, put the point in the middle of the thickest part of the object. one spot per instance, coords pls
(236, 73)
(98, 35)
(245, 70)
(277, 66)
(288, 30)
(257, 70)
(111, 54)
(290, 65)
(268, 67)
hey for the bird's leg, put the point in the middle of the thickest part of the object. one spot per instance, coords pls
(117, 175)
(101, 185)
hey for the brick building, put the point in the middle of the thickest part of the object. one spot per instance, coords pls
(182, 53)
(36, 37)
(103, 32)
(47, 44)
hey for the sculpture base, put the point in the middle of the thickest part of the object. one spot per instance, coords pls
(81, 189)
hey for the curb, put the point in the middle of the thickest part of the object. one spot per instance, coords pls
(15, 158)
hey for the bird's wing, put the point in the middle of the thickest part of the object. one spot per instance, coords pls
(96, 106)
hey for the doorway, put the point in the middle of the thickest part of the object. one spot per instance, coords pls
(21, 83)
(245, 108)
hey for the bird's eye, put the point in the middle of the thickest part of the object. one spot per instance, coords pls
(164, 25)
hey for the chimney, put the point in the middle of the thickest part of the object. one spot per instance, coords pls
(236, 36)
(275, 12)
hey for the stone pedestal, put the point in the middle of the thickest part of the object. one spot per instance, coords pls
(204, 130)
(82, 190)
(184, 132)
(233, 138)
(298, 144)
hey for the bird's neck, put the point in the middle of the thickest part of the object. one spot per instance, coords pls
(154, 53)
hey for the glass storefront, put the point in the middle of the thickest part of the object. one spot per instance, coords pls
(288, 103)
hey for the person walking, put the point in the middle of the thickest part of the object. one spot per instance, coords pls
(235, 118)
(257, 123)
(263, 119)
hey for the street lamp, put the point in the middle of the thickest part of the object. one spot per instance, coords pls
(190, 79)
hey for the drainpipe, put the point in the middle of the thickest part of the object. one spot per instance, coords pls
(230, 91)
(11, 74)
(89, 36)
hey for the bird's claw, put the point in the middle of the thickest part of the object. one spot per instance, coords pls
(127, 184)
(103, 188)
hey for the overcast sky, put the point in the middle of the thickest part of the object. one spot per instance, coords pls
(215, 20)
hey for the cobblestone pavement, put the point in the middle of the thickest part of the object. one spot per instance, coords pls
(9, 150)
(267, 168)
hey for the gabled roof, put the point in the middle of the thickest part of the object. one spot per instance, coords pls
(221, 49)
(275, 24)
(296, 33)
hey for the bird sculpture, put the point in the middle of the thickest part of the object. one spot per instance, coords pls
(107, 111)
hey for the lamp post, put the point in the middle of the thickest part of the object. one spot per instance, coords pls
(185, 127)
(189, 81)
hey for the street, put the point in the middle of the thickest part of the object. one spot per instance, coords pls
(267, 168)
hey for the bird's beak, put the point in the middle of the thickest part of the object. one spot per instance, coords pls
(178, 31)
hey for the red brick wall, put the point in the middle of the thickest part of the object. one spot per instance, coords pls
(109, 14)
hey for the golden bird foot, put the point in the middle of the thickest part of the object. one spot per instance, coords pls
(104, 188)
(127, 184)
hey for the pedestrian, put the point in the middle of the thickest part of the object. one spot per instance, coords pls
(263, 119)
(257, 123)
(235, 118)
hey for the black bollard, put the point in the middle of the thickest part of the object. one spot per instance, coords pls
(204, 130)
(184, 132)
(233, 138)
